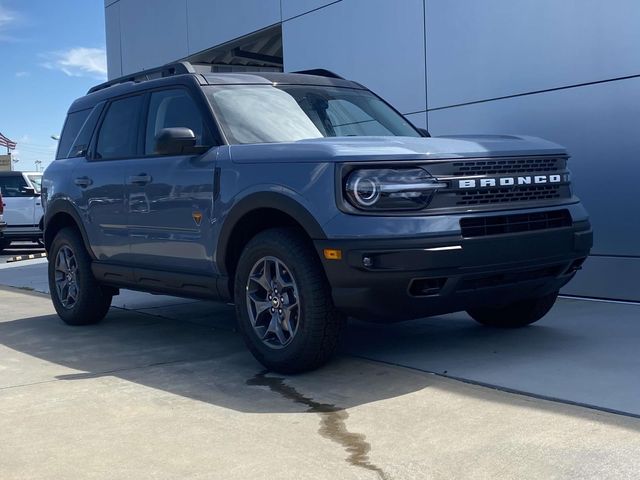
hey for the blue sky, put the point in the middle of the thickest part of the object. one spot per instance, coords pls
(51, 53)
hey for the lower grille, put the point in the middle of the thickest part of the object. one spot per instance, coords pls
(508, 195)
(508, 278)
(523, 222)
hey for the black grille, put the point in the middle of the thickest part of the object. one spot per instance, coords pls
(523, 222)
(471, 168)
(508, 278)
(507, 195)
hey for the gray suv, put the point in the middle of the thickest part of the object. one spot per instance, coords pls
(303, 199)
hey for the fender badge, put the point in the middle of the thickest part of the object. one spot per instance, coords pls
(197, 217)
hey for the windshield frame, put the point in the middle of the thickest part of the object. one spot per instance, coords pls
(222, 128)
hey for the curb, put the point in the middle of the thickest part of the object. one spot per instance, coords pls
(26, 257)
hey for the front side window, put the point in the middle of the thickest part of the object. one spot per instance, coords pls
(13, 186)
(118, 136)
(287, 113)
(174, 108)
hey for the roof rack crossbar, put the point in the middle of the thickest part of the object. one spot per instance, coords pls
(168, 70)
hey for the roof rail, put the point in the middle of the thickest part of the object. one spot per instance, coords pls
(168, 70)
(320, 72)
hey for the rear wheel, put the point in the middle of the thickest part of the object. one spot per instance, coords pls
(283, 303)
(515, 315)
(76, 295)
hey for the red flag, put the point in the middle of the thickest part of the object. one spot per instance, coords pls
(5, 142)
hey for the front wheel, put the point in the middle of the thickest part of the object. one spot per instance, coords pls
(76, 295)
(283, 303)
(515, 315)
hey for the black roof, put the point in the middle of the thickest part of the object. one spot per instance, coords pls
(184, 72)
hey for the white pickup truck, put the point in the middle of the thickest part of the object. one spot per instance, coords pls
(22, 207)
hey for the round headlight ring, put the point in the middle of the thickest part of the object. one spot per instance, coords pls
(366, 191)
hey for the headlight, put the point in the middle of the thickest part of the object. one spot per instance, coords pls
(391, 189)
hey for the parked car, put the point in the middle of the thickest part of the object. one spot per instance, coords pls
(23, 211)
(3, 224)
(302, 198)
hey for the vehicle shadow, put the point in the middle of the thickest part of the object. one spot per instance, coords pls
(204, 362)
(202, 358)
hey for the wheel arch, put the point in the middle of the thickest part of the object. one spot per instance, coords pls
(256, 213)
(61, 214)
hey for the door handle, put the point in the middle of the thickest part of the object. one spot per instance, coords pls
(83, 182)
(141, 179)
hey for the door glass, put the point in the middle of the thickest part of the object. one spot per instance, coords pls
(118, 137)
(174, 108)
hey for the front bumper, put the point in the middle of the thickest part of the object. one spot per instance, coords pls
(405, 278)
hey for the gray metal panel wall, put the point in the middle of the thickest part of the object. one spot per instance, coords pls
(375, 42)
(293, 8)
(212, 23)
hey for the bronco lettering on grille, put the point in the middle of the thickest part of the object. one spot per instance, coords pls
(509, 181)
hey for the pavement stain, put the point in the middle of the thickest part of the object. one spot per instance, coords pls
(332, 425)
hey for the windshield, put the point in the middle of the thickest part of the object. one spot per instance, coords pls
(36, 181)
(286, 113)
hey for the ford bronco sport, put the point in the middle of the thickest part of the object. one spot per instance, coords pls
(303, 199)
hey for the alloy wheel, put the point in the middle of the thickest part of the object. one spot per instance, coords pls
(273, 302)
(66, 276)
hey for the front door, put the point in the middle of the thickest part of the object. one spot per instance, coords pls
(170, 198)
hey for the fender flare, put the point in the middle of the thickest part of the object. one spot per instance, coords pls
(259, 200)
(62, 205)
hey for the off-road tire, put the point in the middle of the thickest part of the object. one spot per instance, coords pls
(516, 315)
(320, 324)
(93, 301)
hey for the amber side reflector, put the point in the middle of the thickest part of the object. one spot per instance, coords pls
(332, 254)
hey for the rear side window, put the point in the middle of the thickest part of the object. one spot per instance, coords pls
(118, 136)
(174, 108)
(12, 186)
(72, 127)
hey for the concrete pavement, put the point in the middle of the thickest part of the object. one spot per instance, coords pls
(142, 396)
(164, 388)
(583, 352)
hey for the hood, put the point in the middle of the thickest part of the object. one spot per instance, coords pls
(360, 149)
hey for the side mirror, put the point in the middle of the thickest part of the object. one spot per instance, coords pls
(424, 132)
(29, 192)
(174, 141)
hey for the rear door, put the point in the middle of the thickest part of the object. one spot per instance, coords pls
(100, 177)
(170, 198)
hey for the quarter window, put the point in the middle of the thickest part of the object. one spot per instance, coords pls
(174, 108)
(70, 131)
(118, 137)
